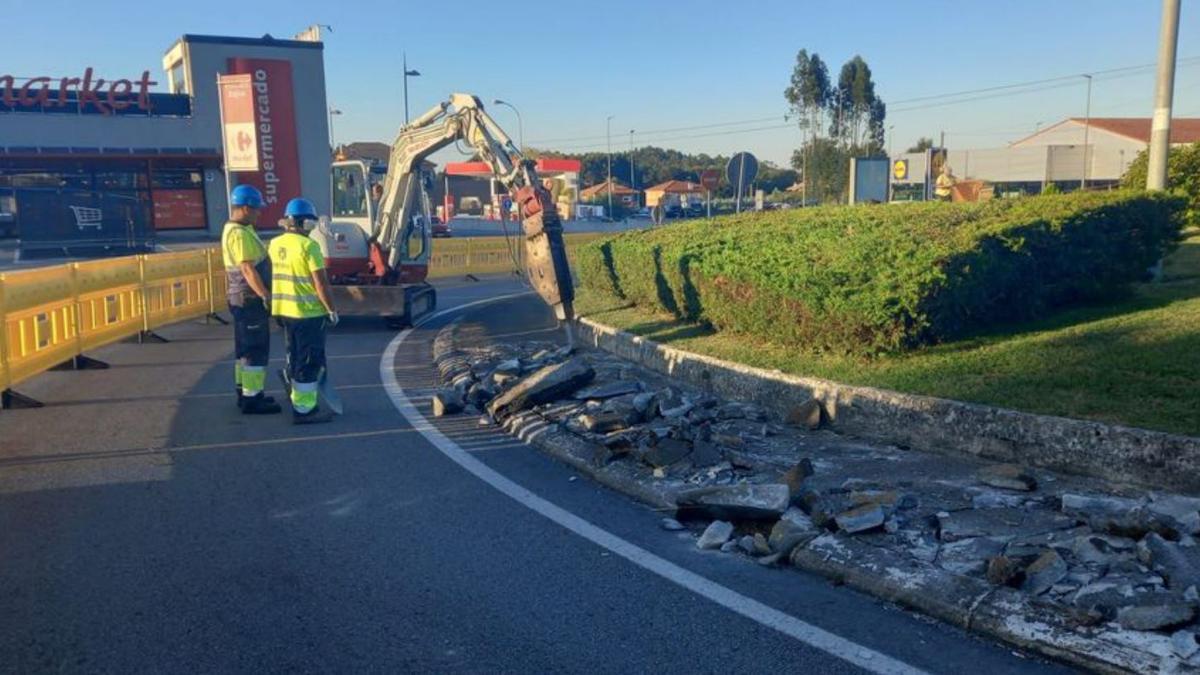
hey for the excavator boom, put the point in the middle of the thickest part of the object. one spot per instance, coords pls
(462, 119)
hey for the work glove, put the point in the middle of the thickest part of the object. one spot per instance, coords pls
(333, 318)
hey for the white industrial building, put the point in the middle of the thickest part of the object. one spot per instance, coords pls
(1055, 154)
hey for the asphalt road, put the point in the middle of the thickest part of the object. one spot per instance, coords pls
(145, 525)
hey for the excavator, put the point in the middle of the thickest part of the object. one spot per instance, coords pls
(377, 249)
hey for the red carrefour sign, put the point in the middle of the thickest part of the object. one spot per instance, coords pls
(239, 128)
(106, 96)
(278, 174)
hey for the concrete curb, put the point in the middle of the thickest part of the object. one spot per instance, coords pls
(1115, 453)
(1000, 613)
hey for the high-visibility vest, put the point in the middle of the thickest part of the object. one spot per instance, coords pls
(239, 244)
(294, 257)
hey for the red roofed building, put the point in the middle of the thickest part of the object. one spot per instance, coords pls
(674, 193)
(627, 196)
(559, 175)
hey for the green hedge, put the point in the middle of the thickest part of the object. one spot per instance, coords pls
(883, 278)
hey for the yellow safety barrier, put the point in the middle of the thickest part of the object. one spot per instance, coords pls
(176, 286)
(51, 315)
(40, 325)
(488, 255)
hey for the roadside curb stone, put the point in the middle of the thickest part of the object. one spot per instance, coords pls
(1113, 452)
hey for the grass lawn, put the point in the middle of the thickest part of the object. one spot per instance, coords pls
(1134, 362)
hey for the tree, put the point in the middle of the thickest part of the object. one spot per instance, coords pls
(922, 145)
(1183, 176)
(809, 96)
(854, 103)
(828, 168)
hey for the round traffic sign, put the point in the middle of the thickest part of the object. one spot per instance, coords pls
(710, 179)
(741, 169)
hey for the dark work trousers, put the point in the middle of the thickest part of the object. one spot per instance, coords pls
(251, 332)
(305, 343)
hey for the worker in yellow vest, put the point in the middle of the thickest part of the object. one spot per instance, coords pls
(247, 270)
(301, 299)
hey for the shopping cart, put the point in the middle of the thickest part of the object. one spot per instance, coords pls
(86, 216)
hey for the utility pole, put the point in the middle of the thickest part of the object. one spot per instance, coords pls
(1087, 123)
(1164, 89)
(632, 175)
(407, 74)
(608, 140)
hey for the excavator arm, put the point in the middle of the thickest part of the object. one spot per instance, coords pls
(462, 118)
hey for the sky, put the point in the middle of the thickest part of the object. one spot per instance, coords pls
(700, 76)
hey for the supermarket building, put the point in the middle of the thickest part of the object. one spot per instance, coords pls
(99, 155)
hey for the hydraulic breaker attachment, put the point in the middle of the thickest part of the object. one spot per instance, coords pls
(546, 263)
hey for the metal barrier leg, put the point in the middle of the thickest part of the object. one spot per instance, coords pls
(216, 317)
(11, 400)
(81, 362)
(150, 336)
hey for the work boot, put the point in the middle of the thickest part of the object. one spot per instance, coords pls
(314, 416)
(241, 400)
(259, 404)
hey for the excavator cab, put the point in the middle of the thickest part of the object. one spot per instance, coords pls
(363, 283)
(357, 189)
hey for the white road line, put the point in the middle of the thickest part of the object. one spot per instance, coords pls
(852, 652)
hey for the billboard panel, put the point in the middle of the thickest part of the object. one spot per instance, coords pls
(238, 127)
(278, 175)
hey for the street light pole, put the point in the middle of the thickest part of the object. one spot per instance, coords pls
(332, 137)
(1164, 90)
(890, 127)
(407, 74)
(632, 175)
(608, 141)
(520, 124)
(1087, 123)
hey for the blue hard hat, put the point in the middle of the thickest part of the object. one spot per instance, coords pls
(246, 195)
(300, 209)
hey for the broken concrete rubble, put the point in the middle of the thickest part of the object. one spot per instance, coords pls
(1043, 573)
(1178, 564)
(548, 384)
(737, 502)
(1008, 476)
(1073, 542)
(447, 402)
(1155, 615)
(861, 518)
(666, 452)
(715, 535)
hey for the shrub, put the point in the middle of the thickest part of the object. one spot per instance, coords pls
(1183, 176)
(888, 277)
